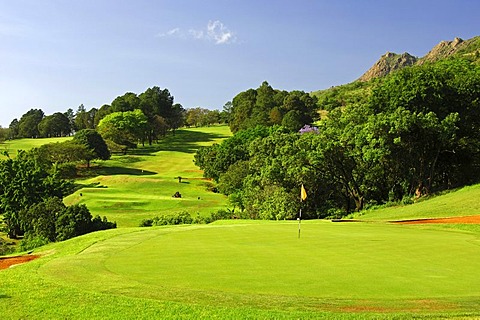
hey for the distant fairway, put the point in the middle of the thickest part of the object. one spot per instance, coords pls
(12, 146)
(140, 185)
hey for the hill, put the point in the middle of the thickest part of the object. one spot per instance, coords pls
(389, 62)
(458, 203)
(358, 90)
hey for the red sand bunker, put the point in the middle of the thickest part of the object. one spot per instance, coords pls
(10, 261)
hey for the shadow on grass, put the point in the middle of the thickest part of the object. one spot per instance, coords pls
(4, 296)
(182, 141)
(106, 170)
(111, 171)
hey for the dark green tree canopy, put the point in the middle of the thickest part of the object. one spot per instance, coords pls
(24, 182)
(94, 142)
(55, 125)
(416, 133)
(28, 124)
(266, 106)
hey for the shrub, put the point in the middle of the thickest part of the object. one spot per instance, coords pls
(102, 224)
(31, 241)
(67, 170)
(5, 248)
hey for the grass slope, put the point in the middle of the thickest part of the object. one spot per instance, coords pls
(462, 202)
(140, 185)
(12, 146)
(251, 270)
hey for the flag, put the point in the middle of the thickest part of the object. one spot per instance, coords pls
(303, 193)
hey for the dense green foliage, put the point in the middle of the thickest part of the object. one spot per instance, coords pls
(416, 133)
(24, 182)
(266, 106)
(186, 218)
(94, 142)
(31, 190)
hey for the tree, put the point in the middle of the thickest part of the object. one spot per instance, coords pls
(40, 218)
(159, 126)
(216, 159)
(226, 113)
(128, 102)
(82, 118)
(124, 128)
(101, 113)
(243, 105)
(28, 124)
(73, 221)
(177, 117)
(63, 152)
(155, 101)
(24, 182)
(93, 142)
(267, 106)
(196, 117)
(71, 120)
(14, 129)
(293, 120)
(4, 134)
(56, 125)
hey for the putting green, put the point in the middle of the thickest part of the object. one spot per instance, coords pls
(266, 263)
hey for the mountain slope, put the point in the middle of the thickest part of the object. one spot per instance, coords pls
(389, 62)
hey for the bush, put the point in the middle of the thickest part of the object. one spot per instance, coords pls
(77, 220)
(67, 170)
(102, 224)
(5, 248)
(185, 218)
(31, 241)
(146, 223)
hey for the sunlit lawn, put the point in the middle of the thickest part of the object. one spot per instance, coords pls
(141, 184)
(251, 270)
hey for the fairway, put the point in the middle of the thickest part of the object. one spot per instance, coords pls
(12, 146)
(140, 185)
(332, 266)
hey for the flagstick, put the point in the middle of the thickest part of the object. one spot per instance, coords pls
(299, 219)
(303, 196)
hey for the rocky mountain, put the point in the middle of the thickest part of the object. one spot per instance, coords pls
(389, 62)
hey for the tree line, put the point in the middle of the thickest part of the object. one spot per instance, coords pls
(416, 132)
(160, 114)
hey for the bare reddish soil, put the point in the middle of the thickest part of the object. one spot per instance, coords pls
(10, 261)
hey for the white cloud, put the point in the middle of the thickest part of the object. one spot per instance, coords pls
(215, 32)
(170, 33)
(219, 33)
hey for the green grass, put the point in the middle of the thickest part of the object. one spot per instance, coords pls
(140, 185)
(12, 146)
(462, 202)
(243, 269)
(251, 270)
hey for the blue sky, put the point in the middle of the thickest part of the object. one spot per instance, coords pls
(58, 54)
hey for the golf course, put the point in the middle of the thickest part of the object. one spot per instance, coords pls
(368, 267)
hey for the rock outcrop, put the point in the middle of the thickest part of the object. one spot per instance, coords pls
(391, 61)
(388, 62)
